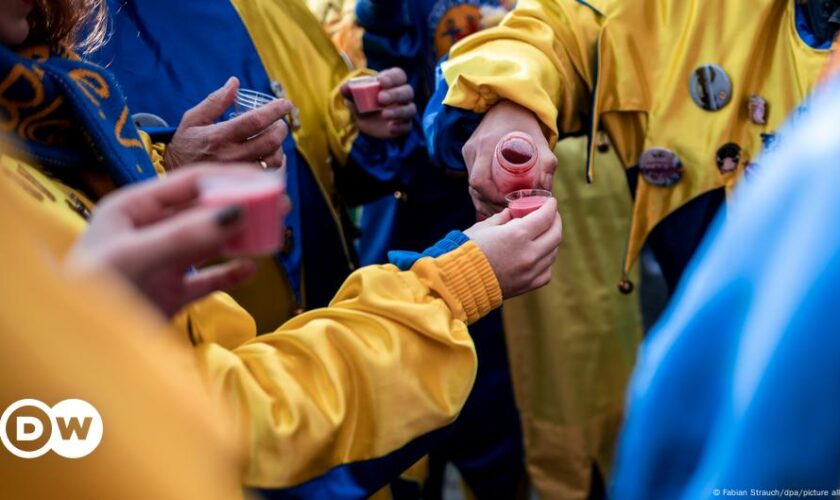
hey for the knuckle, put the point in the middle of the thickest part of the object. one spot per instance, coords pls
(519, 233)
(252, 120)
(213, 137)
(278, 135)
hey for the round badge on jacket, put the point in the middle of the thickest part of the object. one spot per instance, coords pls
(728, 157)
(710, 87)
(660, 167)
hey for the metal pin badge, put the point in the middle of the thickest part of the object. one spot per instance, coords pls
(758, 109)
(660, 167)
(710, 87)
(728, 157)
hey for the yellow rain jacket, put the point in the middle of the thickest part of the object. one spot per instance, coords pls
(626, 67)
(390, 360)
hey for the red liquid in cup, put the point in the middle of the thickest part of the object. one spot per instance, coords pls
(259, 195)
(514, 161)
(365, 92)
(524, 206)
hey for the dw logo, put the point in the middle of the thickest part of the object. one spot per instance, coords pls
(72, 428)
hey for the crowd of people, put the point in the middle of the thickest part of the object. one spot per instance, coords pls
(339, 332)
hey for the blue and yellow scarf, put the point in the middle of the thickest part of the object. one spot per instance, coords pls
(70, 115)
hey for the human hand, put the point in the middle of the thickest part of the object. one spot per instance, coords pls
(154, 232)
(398, 109)
(520, 251)
(256, 136)
(478, 151)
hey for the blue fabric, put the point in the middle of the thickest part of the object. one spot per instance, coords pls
(447, 128)
(54, 97)
(404, 259)
(156, 52)
(360, 480)
(376, 167)
(394, 36)
(379, 225)
(738, 387)
(803, 27)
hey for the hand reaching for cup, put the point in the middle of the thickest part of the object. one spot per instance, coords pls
(154, 232)
(256, 136)
(397, 108)
(503, 118)
(535, 238)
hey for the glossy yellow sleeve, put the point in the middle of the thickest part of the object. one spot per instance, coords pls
(542, 57)
(388, 361)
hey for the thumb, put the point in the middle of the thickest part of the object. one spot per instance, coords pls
(210, 109)
(540, 220)
(499, 219)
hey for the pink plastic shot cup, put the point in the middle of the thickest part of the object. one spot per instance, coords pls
(259, 195)
(365, 90)
(525, 201)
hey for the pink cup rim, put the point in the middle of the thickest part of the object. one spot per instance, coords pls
(242, 182)
(362, 80)
(527, 193)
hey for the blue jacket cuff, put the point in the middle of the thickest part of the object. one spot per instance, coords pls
(405, 259)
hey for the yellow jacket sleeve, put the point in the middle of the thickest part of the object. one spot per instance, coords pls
(388, 361)
(542, 57)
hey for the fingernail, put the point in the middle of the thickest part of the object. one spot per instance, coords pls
(229, 216)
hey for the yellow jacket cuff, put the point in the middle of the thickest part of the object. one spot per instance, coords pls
(467, 274)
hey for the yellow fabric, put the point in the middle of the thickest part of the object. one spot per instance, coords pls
(390, 360)
(631, 62)
(572, 343)
(338, 17)
(297, 52)
(268, 297)
(156, 150)
(91, 338)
